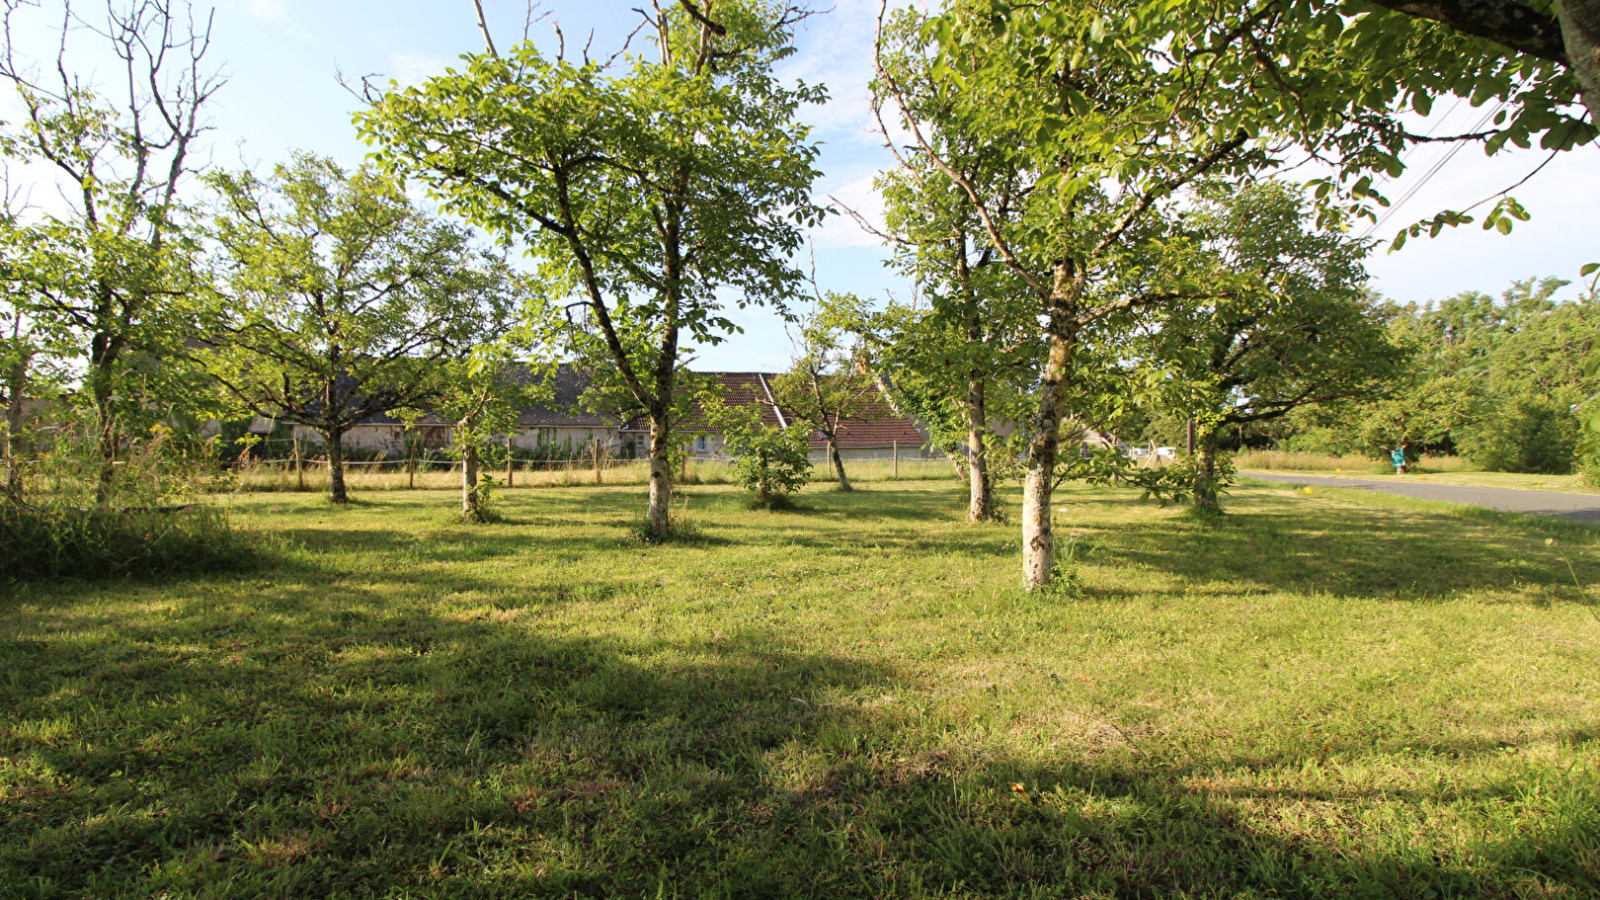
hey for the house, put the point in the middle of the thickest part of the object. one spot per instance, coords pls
(566, 427)
(881, 434)
(563, 426)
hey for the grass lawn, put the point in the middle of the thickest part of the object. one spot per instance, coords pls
(1316, 696)
(1430, 469)
(1572, 484)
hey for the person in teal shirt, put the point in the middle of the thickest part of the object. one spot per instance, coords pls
(1398, 454)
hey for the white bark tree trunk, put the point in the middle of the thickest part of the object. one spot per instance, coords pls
(838, 464)
(470, 505)
(657, 522)
(1038, 535)
(980, 500)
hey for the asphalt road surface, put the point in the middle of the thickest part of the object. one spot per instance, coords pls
(1577, 507)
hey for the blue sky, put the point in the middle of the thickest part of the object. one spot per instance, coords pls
(282, 58)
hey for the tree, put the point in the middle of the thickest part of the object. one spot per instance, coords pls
(1341, 81)
(1119, 108)
(1109, 131)
(35, 353)
(482, 394)
(341, 299)
(117, 269)
(961, 377)
(825, 386)
(1295, 329)
(772, 460)
(642, 185)
(1566, 32)
(1502, 381)
(976, 344)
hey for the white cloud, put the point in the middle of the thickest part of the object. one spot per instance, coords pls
(835, 49)
(413, 68)
(262, 9)
(842, 230)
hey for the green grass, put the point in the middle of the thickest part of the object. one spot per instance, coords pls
(1430, 469)
(1324, 695)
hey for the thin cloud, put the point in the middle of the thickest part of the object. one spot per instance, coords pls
(842, 229)
(415, 68)
(262, 9)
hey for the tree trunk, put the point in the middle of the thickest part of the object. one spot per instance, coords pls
(656, 520)
(980, 502)
(107, 441)
(333, 443)
(469, 480)
(838, 464)
(958, 460)
(1205, 471)
(16, 392)
(763, 483)
(1038, 537)
(1580, 32)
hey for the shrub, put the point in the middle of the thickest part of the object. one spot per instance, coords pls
(1526, 434)
(482, 506)
(56, 541)
(768, 459)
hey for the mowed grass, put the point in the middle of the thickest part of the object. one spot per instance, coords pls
(1312, 697)
(1429, 470)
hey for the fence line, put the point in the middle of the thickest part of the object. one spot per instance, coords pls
(529, 465)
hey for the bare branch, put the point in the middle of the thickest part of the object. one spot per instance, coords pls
(483, 26)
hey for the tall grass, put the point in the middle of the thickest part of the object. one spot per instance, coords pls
(1289, 461)
(52, 542)
(152, 521)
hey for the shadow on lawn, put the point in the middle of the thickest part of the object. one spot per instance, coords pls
(1279, 543)
(278, 740)
(391, 753)
(424, 756)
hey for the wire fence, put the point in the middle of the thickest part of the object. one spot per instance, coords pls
(402, 474)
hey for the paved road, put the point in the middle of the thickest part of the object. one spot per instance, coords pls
(1578, 507)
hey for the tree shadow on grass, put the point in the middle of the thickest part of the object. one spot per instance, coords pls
(1134, 828)
(292, 746)
(391, 753)
(1279, 543)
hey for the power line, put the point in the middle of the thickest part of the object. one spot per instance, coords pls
(1432, 171)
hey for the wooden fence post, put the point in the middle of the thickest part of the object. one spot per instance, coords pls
(896, 459)
(299, 467)
(511, 465)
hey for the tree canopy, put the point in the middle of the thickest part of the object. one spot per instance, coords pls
(340, 297)
(644, 186)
